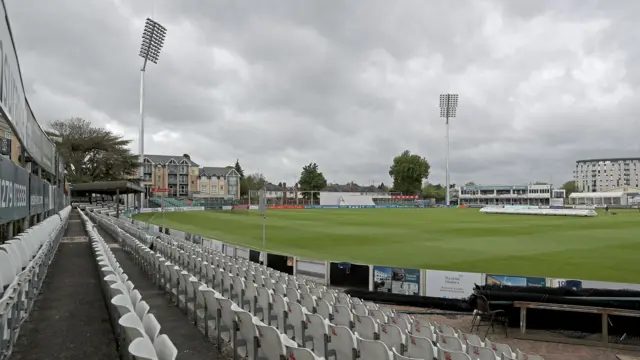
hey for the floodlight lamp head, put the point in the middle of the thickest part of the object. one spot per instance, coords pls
(448, 105)
(152, 41)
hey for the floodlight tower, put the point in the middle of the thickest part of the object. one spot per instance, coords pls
(448, 105)
(152, 41)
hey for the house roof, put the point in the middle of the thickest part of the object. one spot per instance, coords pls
(163, 159)
(215, 171)
(273, 187)
(351, 188)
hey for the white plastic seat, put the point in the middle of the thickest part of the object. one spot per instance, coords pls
(480, 353)
(142, 349)
(499, 348)
(324, 309)
(135, 297)
(297, 319)
(279, 288)
(472, 339)
(423, 331)
(342, 316)
(378, 315)
(343, 299)
(301, 354)
(420, 347)
(393, 337)
(366, 327)
(309, 302)
(342, 344)
(141, 309)
(318, 331)
(402, 322)
(329, 297)
(279, 310)
(360, 309)
(165, 348)
(123, 304)
(373, 349)
(132, 326)
(273, 342)
(450, 343)
(247, 344)
(239, 293)
(445, 330)
(264, 307)
(451, 355)
(151, 326)
(227, 317)
(397, 356)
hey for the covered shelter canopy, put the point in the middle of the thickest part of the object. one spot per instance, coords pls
(106, 188)
(617, 196)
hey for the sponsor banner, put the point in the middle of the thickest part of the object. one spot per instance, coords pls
(172, 209)
(311, 269)
(586, 284)
(36, 198)
(450, 284)
(254, 207)
(227, 207)
(405, 197)
(286, 207)
(240, 207)
(242, 253)
(5, 146)
(396, 280)
(331, 207)
(510, 280)
(14, 190)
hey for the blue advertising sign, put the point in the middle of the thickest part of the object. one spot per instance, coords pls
(14, 189)
(510, 280)
(396, 280)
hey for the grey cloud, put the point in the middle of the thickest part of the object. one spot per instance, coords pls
(348, 84)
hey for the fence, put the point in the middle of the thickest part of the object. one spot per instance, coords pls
(389, 279)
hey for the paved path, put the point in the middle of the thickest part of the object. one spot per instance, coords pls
(69, 319)
(191, 343)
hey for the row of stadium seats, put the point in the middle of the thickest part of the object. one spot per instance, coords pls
(138, 330)
(167, 202)
(264, 314)
(214, 202)
(24, 261)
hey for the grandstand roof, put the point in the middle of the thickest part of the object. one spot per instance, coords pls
(163, 159)
(106, 188)
(609, 159)
(616, 192)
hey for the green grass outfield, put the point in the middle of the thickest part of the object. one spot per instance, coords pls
(602, 248)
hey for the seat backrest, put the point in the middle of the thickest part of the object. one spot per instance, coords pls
(480, 353)
(522, 356)
(397, 356)
(141, 348)
(451, 355)
(165, 348)
(151, 326)
(449, 343)
(298, 353)
(142, 308)
(420, 347)
(373, 349)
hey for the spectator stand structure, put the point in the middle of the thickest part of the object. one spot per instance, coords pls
(117, 192)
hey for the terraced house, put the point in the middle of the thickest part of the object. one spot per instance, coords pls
(221, 182)
(177, 173)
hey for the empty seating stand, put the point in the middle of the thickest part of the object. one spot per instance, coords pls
(137, 331)
(259, 313)
(24, 261)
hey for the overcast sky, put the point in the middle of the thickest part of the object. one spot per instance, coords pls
(347, 84)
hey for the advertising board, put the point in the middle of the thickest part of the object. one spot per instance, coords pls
(396, 280)
(451, 284)
(286, 207)
(172, 209)
(14, 190)
(511, 280)
(587, 284)
(36, 196)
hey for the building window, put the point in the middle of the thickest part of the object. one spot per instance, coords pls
(8, 135)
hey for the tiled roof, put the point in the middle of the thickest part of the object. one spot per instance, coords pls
(217, 171)
(163, 159)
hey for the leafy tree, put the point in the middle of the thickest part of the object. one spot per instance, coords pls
(570, 187)
(92, 153)
(434, 191)
(540, 183)
(251, 184)
(383, 187)
(239, 169)
(470, 183)
(311, 179)
(408, 171)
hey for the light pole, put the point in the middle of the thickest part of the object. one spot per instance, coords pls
(152, 41)
(448, 105)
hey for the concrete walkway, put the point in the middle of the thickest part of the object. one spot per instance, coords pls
(69, 319)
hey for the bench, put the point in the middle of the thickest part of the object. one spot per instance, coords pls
(605, 313)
